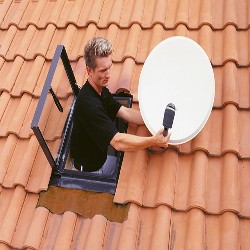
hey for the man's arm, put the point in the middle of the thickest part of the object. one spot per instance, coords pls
(130, 115)
(128, 142)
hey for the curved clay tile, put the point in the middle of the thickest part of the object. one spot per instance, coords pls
(195, 14)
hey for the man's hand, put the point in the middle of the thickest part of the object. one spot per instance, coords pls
(160, 140)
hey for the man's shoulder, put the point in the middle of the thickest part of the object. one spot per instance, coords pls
(85, 95)
(106, 91)
(84, 90)
(87, 102)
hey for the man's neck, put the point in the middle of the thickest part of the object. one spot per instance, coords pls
(97, 88)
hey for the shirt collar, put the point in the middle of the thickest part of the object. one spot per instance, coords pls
(90, 87)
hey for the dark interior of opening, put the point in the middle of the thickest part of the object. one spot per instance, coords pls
(68, 176)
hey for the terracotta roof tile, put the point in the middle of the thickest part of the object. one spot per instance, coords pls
(35, 232)
(31, 14)
(10, 74)
(24, 164)
(8, 146)
(30, 71)
(26, 216)
(192, 234)
(111, 13)
(184, 181)
(146, 228)
(223, 124)
(19, 122)
(232, 137)
(40, 42)
(4, 100)
(12, 206)
(17, 169)
(226, 226)
(221, 45)
(40, 174)
(125, 13)
(12, 13)
(82, 230)
(50, 13)
(21, 42)
(6, 38)
(66, 230)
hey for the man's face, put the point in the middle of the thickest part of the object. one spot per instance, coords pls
(101, 73)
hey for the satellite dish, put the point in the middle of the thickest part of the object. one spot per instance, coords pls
(177, 71)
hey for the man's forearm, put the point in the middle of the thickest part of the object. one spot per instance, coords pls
(128, 142)
(136, 117)
(130, 115)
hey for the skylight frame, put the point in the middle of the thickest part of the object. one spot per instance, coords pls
(69, 178)
(60, 53)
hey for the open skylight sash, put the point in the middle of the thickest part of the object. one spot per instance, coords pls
(59, 53)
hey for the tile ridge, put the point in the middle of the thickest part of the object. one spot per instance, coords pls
(189, 208)
(16, 134)
(102, 13)
(128, 26)
(214, 28)
(221, 72)
(206, 151)
(230, 52)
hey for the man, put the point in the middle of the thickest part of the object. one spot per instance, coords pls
(95, 111)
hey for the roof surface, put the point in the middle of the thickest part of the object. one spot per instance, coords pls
(194, 196)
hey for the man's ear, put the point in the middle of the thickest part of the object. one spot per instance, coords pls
(88, 70)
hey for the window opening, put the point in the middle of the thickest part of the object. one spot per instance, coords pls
(52, 125)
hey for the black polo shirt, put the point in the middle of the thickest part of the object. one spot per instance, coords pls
(93, 127)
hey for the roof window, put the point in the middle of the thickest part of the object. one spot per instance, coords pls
(52, 125)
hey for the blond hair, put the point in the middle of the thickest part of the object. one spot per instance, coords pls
(96, 47)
